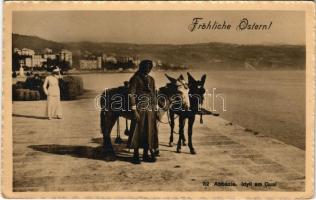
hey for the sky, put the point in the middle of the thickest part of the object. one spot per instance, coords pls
(159, 27)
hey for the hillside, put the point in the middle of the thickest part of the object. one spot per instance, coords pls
(35, 43)
(219, 56)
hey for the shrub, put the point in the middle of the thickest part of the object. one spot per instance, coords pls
(71, 87)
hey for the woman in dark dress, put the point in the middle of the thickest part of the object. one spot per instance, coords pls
(142, 94)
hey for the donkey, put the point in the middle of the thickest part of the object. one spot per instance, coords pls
(182, 86)
(109, 114)
(114, 103)
(193, 91)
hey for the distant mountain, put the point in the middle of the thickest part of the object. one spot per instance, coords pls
(207, 55)
(35, 43)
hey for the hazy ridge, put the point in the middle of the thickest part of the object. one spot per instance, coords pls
(219, 56)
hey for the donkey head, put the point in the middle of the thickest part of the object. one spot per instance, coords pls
(180, 88)
(196, 91)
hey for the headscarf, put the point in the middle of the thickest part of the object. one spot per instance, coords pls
(144, 65)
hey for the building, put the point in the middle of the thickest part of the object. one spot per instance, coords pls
(111, 59)
(104, 56)
(50, 56)
(27, 52)
(88, 64)
(66, 55)
(122, 59)
(18, 51)
(38, 61)
(99, 62)
(28, 58)
(32, 61)
(26, 62)
(47, 51)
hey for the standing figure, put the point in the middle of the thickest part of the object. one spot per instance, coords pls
(142, 94)
(51, 89)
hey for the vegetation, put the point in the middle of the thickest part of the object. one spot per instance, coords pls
(219, 56)
(32, 88)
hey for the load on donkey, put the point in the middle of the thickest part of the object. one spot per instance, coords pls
(140, 102)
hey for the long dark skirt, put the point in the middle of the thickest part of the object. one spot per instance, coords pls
(145, 134)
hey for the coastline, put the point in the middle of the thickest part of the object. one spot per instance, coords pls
(246, 86)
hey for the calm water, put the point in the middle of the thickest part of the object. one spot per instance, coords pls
(269, 102)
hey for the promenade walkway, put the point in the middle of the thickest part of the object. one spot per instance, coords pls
(65, 155)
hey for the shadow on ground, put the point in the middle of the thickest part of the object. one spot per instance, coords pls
(118, 143)
(29, 116)
(95, 153)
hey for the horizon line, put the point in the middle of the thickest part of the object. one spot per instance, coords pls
(173, 44)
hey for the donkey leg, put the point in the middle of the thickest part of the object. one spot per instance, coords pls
(183, 140)
(181, 132)
(171, 115)
(108, 120)
(108, 150)
(126, 132)
(190, 132)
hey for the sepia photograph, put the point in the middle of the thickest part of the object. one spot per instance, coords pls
(137, 100)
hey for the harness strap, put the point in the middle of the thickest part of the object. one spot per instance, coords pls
(169, 121)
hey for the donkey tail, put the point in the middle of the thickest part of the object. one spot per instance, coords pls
(102, 112)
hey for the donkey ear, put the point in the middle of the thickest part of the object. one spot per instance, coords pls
(181, 77)
(172, 80)
(190, 78)
(203, 79)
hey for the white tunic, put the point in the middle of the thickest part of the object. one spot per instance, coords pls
(51, 89)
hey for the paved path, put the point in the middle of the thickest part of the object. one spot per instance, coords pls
(64, 155)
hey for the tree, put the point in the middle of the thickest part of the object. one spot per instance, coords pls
(64, 65)
(15, 61)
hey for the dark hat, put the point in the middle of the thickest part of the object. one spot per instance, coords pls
(51, 68)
